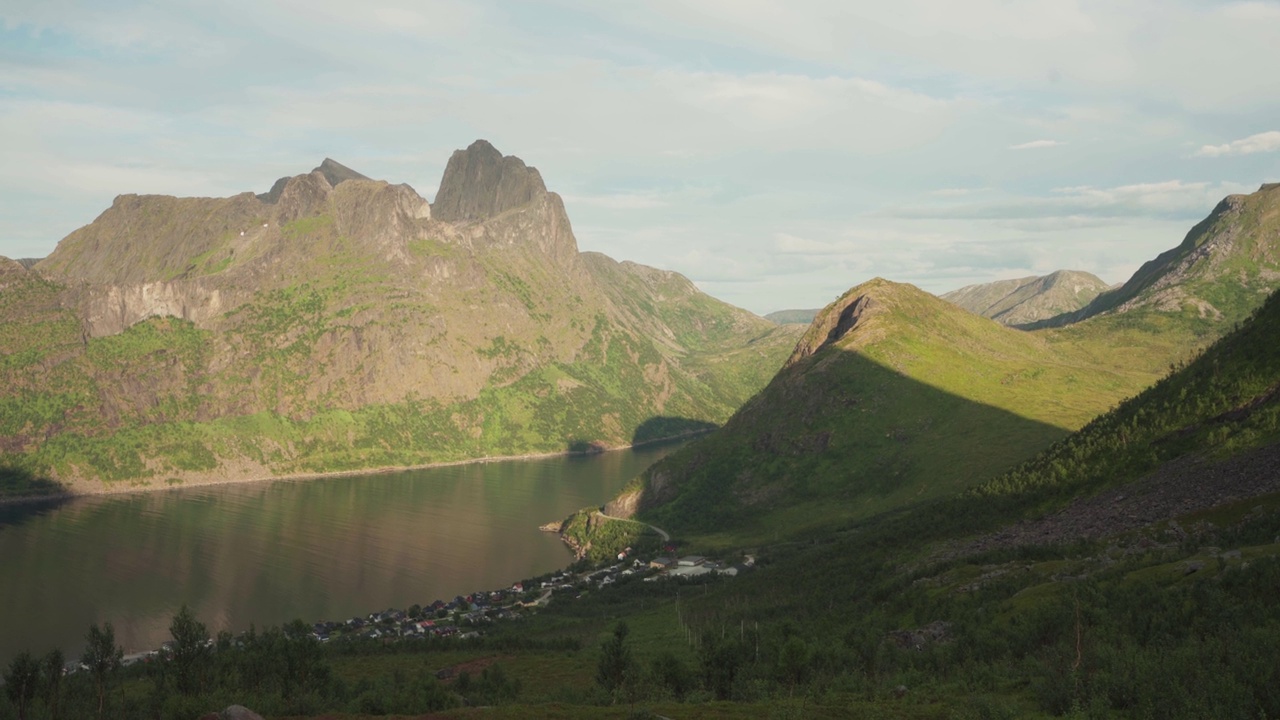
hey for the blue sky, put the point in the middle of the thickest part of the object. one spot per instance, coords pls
(776, 152)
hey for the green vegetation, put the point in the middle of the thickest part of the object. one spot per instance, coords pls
(919, 399)
(903, 613)
(1225, 401)
(600, 539)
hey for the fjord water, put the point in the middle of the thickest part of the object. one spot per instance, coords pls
(267, 553)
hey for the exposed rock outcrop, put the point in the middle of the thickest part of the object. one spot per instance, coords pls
(479, 183)
(833, 323)
(11, 271)
(337, 173)
(303, 195)
(334, 172)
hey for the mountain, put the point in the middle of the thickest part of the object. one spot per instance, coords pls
(343, 323)
(333, 171)
(1029, 299)
(1227, 264)
(893, 396)
(786, 317)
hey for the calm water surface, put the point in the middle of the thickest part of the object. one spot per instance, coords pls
(267, 553)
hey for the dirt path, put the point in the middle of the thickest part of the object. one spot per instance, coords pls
(665, 537)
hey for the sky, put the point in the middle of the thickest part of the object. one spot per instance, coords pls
(776, 152)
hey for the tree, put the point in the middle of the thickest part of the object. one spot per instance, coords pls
(720, 662)
(303, 658)
(615, 660)
(191, 652)
(21, 681)
(103, 657)
(53, 663)
(793, 662)
(670, 672)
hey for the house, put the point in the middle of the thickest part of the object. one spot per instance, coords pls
(661, 563)
(691, 561)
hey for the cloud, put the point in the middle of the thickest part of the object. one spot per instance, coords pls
(1036, 144)
(616, 201)
(1172, 199)
(1262, 142)
(957, 191)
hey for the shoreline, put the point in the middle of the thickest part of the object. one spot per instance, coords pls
(72, 494)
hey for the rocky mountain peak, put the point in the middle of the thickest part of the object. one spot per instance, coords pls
(480, 183)
(335, 172)
(302, 196)
(10, 271)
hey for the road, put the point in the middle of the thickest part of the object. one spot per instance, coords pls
(665, 537)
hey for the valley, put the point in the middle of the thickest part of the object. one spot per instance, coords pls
(1034, 498)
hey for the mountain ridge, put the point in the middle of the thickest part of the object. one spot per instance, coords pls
(853, 423)
(347, 326)
(1029, 299)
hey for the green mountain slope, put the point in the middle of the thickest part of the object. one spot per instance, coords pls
(1026, 300)
(1224, 402)
(892, 395)
(1222, 270)
(345, 326)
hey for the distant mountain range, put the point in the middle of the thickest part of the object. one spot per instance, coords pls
(791, 317)
(337, 323)
(1029, 299)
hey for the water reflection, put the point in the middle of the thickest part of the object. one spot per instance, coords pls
(267, 553)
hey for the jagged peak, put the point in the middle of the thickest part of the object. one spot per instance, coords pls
(480, 182)
(335, 172)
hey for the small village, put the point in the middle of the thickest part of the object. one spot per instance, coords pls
(466, 616)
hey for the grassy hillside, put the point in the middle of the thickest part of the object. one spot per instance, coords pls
(892, 396)
(1222, 270)
(902, 614)
(1225, 401)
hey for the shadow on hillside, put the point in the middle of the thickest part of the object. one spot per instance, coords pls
(655, 429)
(662, 427)
(848, 438)
(44, 494)
(585, 447)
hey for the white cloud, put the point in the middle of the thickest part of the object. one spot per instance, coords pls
(1073, 205)
(1036, 144)
(1262, 142)
(774, 150)
(616, 201)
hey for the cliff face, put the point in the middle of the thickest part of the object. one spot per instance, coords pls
(346, 323)
(479, 183)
